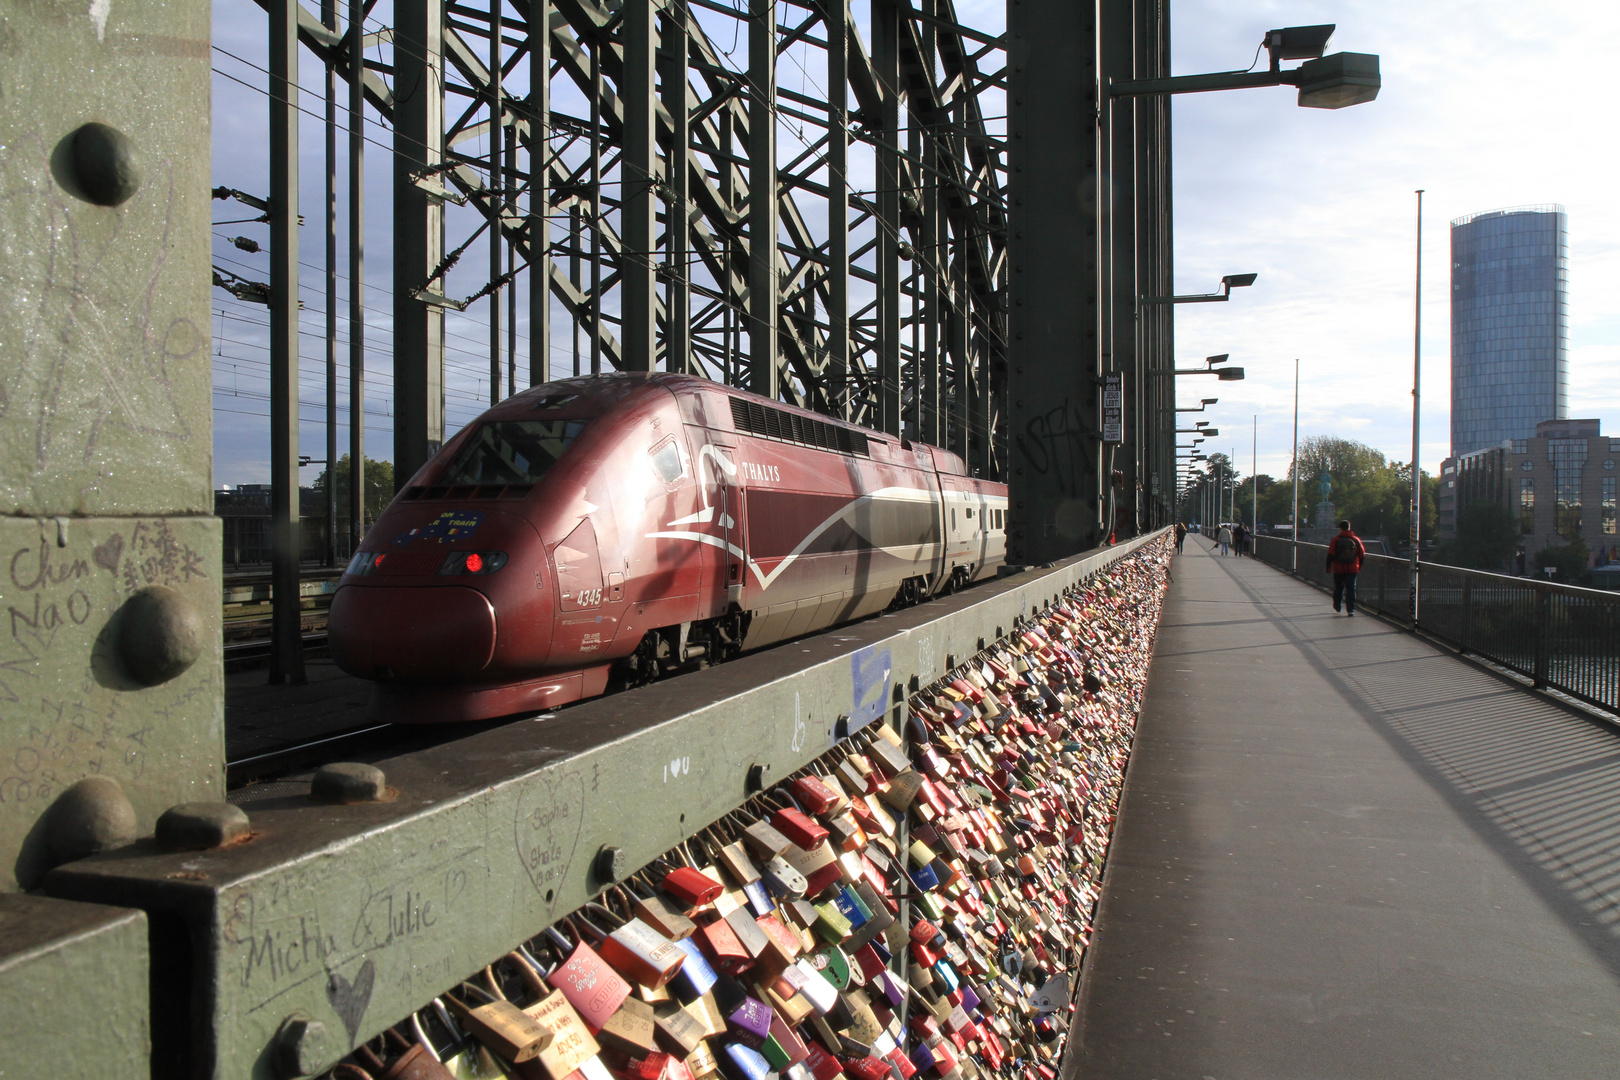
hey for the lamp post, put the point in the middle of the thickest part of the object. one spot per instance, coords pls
(1417, 378)
(1203, 403)
(1293, 545)
(1228, 283)
(1224, 374)
(1324, 82)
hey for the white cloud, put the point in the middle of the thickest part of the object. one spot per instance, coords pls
(1484, 105)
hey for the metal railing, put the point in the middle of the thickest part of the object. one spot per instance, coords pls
(1558, 636)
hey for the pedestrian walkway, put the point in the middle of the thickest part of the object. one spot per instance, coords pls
(1344, 853)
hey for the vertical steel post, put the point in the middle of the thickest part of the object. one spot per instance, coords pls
(886, 66)
(1293, 543)
(539, 227)
(1117, 55)
(287, 646)
(638, 193)
(357, 274)
(497, 189)
(329, 18)
(1416, 501)
(576, 244)
(837, 371)
(509, 207)
(677, 98)
(596, 205)
(418, 235)
(1054, 364)
(763, 282)
(935, 426)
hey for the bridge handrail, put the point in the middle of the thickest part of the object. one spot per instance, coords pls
(1563, 637)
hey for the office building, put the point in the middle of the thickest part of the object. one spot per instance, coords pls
(1509, 324)
(1559, 484)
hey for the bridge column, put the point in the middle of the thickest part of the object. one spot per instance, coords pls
(1054, 248)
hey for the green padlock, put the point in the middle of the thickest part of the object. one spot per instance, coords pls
(834, 966)
(929, 902)
(831, 924)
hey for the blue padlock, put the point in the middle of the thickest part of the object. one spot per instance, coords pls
(696, 976)
(759, 898)
(744, 1063)
(925, 879)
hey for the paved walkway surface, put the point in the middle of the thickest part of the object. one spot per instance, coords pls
(1344, 853)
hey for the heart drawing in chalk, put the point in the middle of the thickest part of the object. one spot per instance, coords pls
(546, 827)
(350, 999)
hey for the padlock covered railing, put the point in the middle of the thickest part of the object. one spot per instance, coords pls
(329, 924)
(898, 906)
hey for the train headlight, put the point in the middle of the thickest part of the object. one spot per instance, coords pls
(365, 562)
(473, 562)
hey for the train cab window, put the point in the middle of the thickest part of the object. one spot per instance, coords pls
(666, 460)
(953, 517)
(512, 451)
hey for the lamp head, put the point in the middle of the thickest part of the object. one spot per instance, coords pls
(1238, 281)
(1212, 431)
(1336, 81)
(1218, 359)
(1209, 400)
(1229, 374)
(1298, 42)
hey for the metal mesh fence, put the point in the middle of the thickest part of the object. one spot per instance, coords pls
(1558, 636)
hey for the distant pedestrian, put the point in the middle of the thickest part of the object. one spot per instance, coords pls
(1240, 537)
(1224, 538)
(1344, 557)
(1181, 537)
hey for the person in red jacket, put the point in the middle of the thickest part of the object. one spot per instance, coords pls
(1344, 556)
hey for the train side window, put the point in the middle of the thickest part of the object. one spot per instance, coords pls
(953, 517)
(666, 461)
(969, 513)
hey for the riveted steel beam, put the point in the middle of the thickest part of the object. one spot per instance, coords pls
(1055, 355)
(419, 131)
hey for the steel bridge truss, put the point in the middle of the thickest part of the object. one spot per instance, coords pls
(881, 297)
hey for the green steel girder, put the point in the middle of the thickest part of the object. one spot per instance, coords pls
(357, 915)
(71, 708)
(73, 990)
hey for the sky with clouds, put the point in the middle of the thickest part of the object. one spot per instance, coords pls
(1488, 104)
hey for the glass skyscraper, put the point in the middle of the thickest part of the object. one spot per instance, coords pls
(1509, 324)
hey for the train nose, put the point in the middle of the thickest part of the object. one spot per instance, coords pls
(382, 632)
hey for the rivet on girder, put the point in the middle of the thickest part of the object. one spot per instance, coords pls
(299, 1047)
(201, 826)
(160, 634)
(348, 782)
(104, 168)
(612, 864)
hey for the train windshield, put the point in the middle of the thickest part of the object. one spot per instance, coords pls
(512, 451)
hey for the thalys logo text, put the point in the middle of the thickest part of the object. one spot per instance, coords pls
(450, 525)
(754, 471)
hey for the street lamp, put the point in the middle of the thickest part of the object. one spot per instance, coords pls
(1204, 403)
(1324, 82)
(1225, 374)
(1228, 283)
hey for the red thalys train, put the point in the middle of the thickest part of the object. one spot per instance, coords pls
(626, 525)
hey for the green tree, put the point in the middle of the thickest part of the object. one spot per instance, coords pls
(1487, 537)
(379, 492)
(1568, 562)
(1370, 490)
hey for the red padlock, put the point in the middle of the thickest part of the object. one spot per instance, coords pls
(691, 887)
(591, 986)
(797, 826)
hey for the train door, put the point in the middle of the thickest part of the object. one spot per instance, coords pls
(719, 523)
